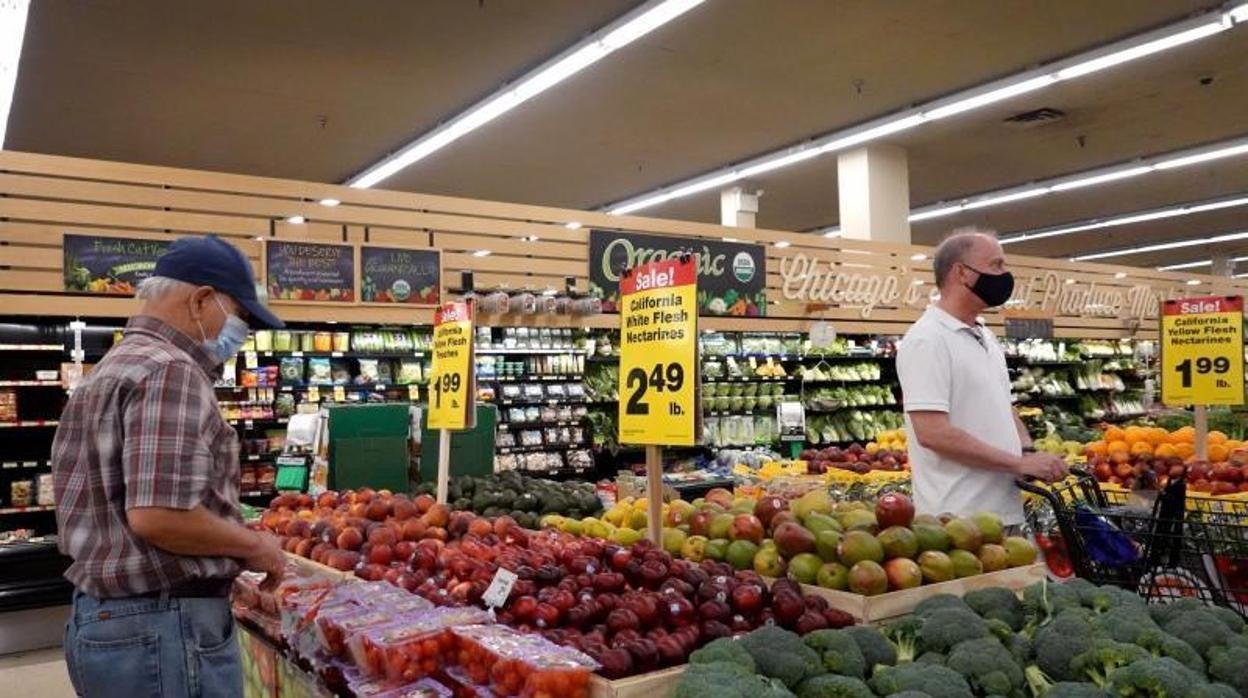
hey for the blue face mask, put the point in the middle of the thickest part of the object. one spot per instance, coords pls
(229, 340)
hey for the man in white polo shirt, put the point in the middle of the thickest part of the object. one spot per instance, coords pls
(967, 444)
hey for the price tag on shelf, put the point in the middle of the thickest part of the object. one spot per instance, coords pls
(8, 465)
(452, 389)
(496, 594)
(659, 354)
(413, 392)
(297, 354)
(30, 464)
(314, 394)
(336, 355)
(250, 360)
(1202, 351)
(340, 394)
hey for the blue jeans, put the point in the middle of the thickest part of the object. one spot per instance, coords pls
(149, 647)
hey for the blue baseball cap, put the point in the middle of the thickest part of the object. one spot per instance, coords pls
(211, 261)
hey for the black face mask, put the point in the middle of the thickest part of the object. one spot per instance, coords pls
(992, 289)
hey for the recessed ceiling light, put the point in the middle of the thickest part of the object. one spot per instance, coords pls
(329, 202)
(782, 243)
(296, 220)
(572, 225)
(481, 253)
(919, 257)
(1193, 282)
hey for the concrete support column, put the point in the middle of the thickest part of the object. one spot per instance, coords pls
(1223, 265)
(737, 209)
(873, 184)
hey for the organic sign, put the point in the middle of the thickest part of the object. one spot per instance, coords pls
(452, 392)
(732, 277)
(96, 264)
(309, 271)
(395, 275)
(659, 354)
(1202, 351)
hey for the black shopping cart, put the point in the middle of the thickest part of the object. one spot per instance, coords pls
(1162, 545)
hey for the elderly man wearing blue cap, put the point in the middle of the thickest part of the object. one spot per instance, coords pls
(146, 474)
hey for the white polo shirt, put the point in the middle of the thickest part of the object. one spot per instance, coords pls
(947, 366)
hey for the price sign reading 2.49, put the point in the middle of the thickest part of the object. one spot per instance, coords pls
(451, 390)
(1202, 351)
(659, 354)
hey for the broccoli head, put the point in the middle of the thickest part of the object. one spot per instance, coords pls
(997, 603)
(1163, 644)
(1073, 689)
(833, 686)
(932, 658)
(937, 602)
(876, 650)
(1212, 690)
(780, 654)
(1163, 613)
(1056, 644)
(1202, 629)
(839, 652)
(1044, 600)
(946, 627)
(724, 649)
(1126, 622)
(988, 666)
(1105, 656)
(904, 634)
(933, 679)
(716, 680)
(1156, 677)
(909, 694)
(1229, 618)
(1230, 665)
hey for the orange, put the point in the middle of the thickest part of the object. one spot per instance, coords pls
(1118, 446)
(1096, 448)
(1218, 453)
(1166, 451)
(1233, 445)
(1216, 437)
(1158, 436)
(1141, 448)
(1114, 434)
(1186, 435)
(1119, 456)
(1134, 435)
(1185, 450)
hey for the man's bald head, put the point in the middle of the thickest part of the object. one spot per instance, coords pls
(979, 251)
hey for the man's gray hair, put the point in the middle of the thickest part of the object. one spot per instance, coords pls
(952, 250)
(154, 287)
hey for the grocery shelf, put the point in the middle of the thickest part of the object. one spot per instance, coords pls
(846, 381)
(32, 347)
(29, 423)
(1023, 359)
(600, 359)
(26, 464)
(252, 494)
(556, 401)
(541, 425)
(750, 379)
(30, 384)
(357, 387)
(254, 457)
(843, 408)
(538, 448)
(555, 378)
(249, 423)
(760, 357)
(24, 510)
(525, 351)
(413, 354)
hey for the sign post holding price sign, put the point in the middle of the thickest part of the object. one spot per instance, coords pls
(452, 380)
(1202, 355)
(659, 404)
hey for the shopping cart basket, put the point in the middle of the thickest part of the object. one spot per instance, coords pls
(1162, 548)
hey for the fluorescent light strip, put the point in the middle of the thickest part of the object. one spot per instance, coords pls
(1196, 265)
(1113, 54)
(12, 32)
(620, 33)
(1127, 219)
(1177, 244)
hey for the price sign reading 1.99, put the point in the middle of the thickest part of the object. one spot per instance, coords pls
(1202, 351)
(452, 389)
(659, 354)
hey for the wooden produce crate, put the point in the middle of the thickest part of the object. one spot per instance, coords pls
(872, 609)
(656, 684)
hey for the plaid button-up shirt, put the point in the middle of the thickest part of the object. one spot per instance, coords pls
(142, 430)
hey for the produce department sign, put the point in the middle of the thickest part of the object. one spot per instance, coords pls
(452, 389)
(109, 265)
(396, 275)
(659, 354)
(1202, 351)
(732, 277)
(308, 271)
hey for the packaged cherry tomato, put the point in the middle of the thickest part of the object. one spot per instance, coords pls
(515, 664)
(362, 686)
(335, 627)
(413, 646)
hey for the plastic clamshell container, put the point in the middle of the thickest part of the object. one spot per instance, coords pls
(411, 647)
(335, 627)
(515, 664)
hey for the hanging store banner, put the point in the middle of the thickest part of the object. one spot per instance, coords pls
(452, 382)
(659, 405)
(396, 275)
(1202, 351)
(109, 265)
(732, 276)
(309, 271)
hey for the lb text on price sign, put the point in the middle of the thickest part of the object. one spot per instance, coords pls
(659, 354)
(1202, 351)
(452, 390)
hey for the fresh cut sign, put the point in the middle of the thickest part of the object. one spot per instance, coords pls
(732, 276)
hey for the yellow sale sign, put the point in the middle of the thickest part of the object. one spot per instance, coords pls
(1202, 351)
(452, 386)
(659, 354)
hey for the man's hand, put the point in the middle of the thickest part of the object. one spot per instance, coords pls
(1042, 466)
(267, 557)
